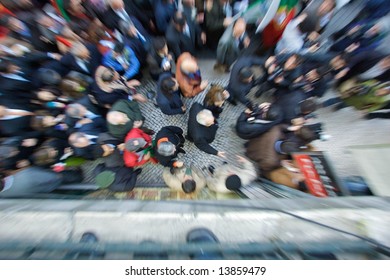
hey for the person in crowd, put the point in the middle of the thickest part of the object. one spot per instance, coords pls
(138, 147)
(251, 124)
(108, 88)
(182, 36)
(163, 13)
(50, 152)
(230, 45)
(217, 16)
(186, 179)
(215, 99)
(123, 60)
(159, 59)
(168, 95)
(229, 178)
(169, 143)
(188, 76)
(15, 120)
(242, 80)
(202, 129)
(121, 118)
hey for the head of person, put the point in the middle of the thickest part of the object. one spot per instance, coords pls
(190, 68)
(233, 182)
(215, 96)
(306, 134)
(165, 148)
(245, 75)
(326, 7)
(44, 20)
(135, 144)
(188, 186)
(109, 75)
(45, 155)
(116, 4)
(42, 122)
(7, 67)
(308, 106)
(169, 85)
(292, 62)
(76, 110)
(49, 77)
(338, 62)
(80, 51)
(118, 49)
(3, 111)
(273, 112)
(117, 118)
(239, 28)
(179, 21)
(160, 46)
(309, 24)
(78, 140)
(205, 118)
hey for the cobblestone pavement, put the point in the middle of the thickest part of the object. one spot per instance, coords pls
(346, 126)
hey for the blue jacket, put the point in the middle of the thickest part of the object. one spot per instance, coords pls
(129, 55)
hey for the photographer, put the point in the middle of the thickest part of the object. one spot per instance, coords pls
(108, 88)
(251, 124)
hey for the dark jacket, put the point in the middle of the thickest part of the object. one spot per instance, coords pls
(179, 43)
(237, 89)
(132, 110)
(247, 130)
(125, 177)
(201, 135)
(175, 136)
(169, 105)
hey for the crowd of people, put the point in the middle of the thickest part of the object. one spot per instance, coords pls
(70, 73)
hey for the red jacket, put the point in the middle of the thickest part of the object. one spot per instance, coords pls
(131, 158)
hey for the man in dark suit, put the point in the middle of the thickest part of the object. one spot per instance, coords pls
(14, 84)
(83, 59)
(242, 80)
(117, 12)
(202, 129)
(169, 143)
(183, 36)
(15, 120)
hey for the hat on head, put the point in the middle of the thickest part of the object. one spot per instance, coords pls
(105, 179)
(233, 182)
(134, 144)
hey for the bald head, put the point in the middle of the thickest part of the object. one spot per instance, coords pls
(189, 65)
(239, 28)
(205, 118)
(116, 4)
(117, 118)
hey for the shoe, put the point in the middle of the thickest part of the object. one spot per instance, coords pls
(151, 95)
(211, 168)
(180, 150)
(138, 171)
(203, 236)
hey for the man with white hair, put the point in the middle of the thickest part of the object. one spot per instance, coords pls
(169, 143)
(202, 129)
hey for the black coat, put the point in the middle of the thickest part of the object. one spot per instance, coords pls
(175, 136)
(179, 43)
(18, 126)
(169, 105)
(125, 178)
(247, 130)
(237, 89)
(68, 63)
(201, 135)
